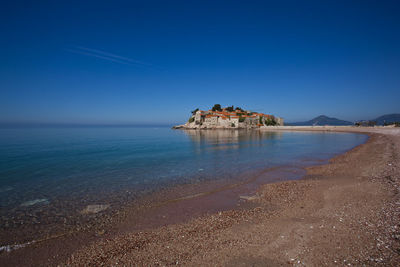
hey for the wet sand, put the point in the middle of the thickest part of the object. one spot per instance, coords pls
(344, 212)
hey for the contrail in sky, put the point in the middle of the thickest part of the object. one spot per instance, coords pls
(107, 56)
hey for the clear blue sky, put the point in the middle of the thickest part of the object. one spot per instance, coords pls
(155, 61)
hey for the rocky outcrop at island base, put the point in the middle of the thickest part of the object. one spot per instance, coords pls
(229, 118)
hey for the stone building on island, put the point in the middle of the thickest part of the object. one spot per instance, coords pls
(229, 118)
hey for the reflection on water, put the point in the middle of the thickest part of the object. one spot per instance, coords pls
(229, 139)
(229, 136)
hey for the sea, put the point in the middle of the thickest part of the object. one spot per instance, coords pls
(49, 175)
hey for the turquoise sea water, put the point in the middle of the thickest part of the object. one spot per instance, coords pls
(60, 170)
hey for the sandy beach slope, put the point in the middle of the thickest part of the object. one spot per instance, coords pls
(343, 213)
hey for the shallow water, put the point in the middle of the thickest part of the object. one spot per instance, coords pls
(49, 174)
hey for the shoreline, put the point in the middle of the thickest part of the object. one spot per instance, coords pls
(340, 213)
(250, 203)
(173, 205)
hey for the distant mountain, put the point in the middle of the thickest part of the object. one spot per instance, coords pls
(388, 118)
(321, 120)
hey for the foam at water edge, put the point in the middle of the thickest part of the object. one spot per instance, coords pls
(9, 248)
(35, 201)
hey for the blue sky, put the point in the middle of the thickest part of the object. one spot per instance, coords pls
(127, 62)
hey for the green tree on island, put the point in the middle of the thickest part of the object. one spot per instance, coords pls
(270, 122)
(217, 107)
(194, 111)
(230, 109)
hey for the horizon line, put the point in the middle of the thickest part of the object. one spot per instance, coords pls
(54, 124)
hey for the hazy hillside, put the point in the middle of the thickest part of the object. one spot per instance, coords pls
(321, 120)
(388, 118)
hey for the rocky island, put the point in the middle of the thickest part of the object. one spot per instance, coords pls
(229, 118)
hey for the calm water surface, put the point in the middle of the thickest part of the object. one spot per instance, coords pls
(60, 169)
